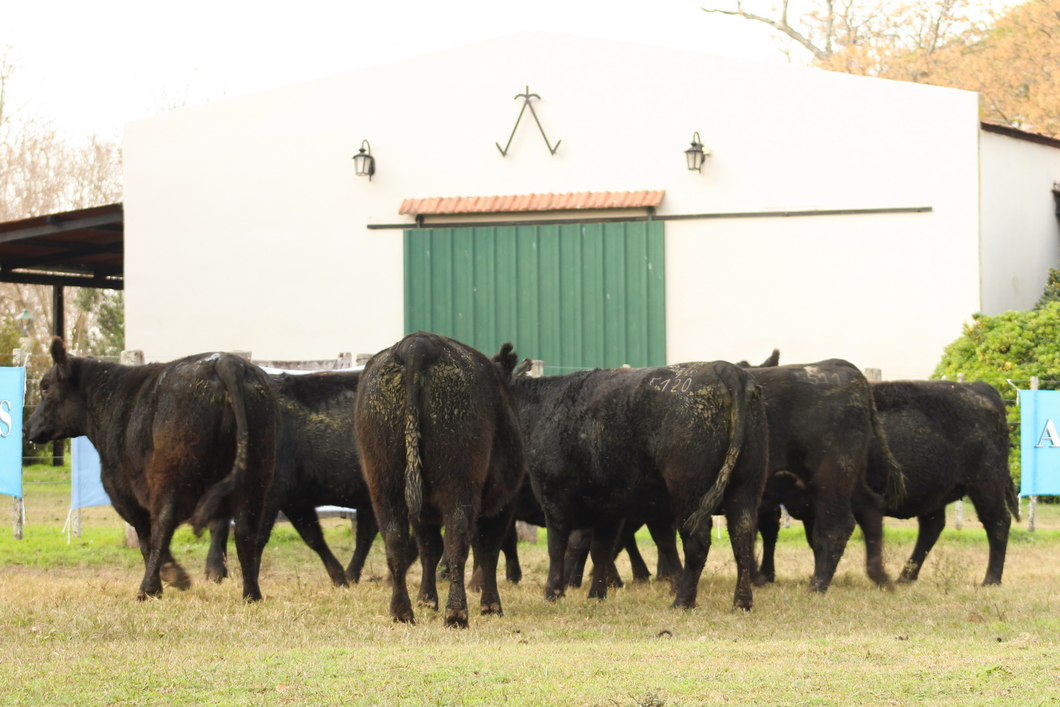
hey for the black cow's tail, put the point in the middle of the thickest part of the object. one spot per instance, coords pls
(742, 395)
(1012, 499)
(211, 506)
(417, 356)
(894, 491)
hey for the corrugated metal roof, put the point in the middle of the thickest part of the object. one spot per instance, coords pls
(532, 202)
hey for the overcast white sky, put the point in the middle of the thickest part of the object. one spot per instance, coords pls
(91, 66)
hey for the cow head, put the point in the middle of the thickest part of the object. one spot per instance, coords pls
(61, 411)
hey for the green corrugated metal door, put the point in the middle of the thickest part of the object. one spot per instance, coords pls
(573, 295)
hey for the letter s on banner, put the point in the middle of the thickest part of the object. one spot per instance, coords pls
(5, 418)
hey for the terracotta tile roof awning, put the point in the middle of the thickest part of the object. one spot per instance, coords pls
(532, 202)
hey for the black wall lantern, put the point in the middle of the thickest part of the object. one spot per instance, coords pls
(364, 162)
(696, 155)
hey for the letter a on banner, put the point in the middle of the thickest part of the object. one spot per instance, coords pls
(12, 395)
(1039, 442)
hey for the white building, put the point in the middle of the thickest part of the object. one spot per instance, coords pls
(246, 227)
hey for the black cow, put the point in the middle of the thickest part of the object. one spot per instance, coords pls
(440, 445)
(952, 440)
(316, 465)
(822, 423)
(191, 439)
(670, 444)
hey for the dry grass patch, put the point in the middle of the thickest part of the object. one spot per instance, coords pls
(72, 634)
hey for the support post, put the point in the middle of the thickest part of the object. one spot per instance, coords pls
(20, 513)
(1033, 506)
(58, 329)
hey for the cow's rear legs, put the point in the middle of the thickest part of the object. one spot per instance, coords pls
(457, 545)
(306, 522)
(488, 540)
(832, 525)
(558, 535)
(602, 550)
(868, 511)
(696, 548)
(163, 523)
(994, 516)
(429, 538)
(769, 527)
(367, 529)
(931, 525)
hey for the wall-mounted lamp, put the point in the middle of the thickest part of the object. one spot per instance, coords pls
(696, 154)
(24, 322)
(364, 162)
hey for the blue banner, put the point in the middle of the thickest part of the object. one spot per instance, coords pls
(12, 396)
(86, 488)
(1040, 442)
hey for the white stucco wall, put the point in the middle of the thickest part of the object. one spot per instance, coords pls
(245, 223)
(1020, 230)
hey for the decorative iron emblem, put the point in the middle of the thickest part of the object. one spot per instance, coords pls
(526, 104)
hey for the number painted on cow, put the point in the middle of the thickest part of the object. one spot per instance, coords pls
(673, 385)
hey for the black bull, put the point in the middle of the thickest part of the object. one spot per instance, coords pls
(951, 440)
(191, 439)
(822, 424)
(672, 443)
(316, 465)
(440, 445)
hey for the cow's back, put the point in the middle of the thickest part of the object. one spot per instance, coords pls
(944, 434)
(316, 457)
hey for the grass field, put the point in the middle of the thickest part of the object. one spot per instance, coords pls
(71, 632)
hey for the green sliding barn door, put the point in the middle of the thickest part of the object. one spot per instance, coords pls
(573, 295)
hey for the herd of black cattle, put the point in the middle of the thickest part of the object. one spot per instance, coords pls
(432, 433)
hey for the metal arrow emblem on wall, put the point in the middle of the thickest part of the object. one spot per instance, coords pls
(526, 104)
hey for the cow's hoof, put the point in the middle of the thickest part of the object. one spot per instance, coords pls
(144, 595)
(514, 576)
(431, 604)
(404, 618)
(761, 580)
(251, 597)
(686, 605)
(174, 575)
(456, 618)
(742, 604)
(216, 575)
(340, 581)
(553, 595)
(991, 582)
(492, 608)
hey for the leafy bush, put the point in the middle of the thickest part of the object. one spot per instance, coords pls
(1011, 346)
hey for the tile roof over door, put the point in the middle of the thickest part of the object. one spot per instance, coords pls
(533, 202)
